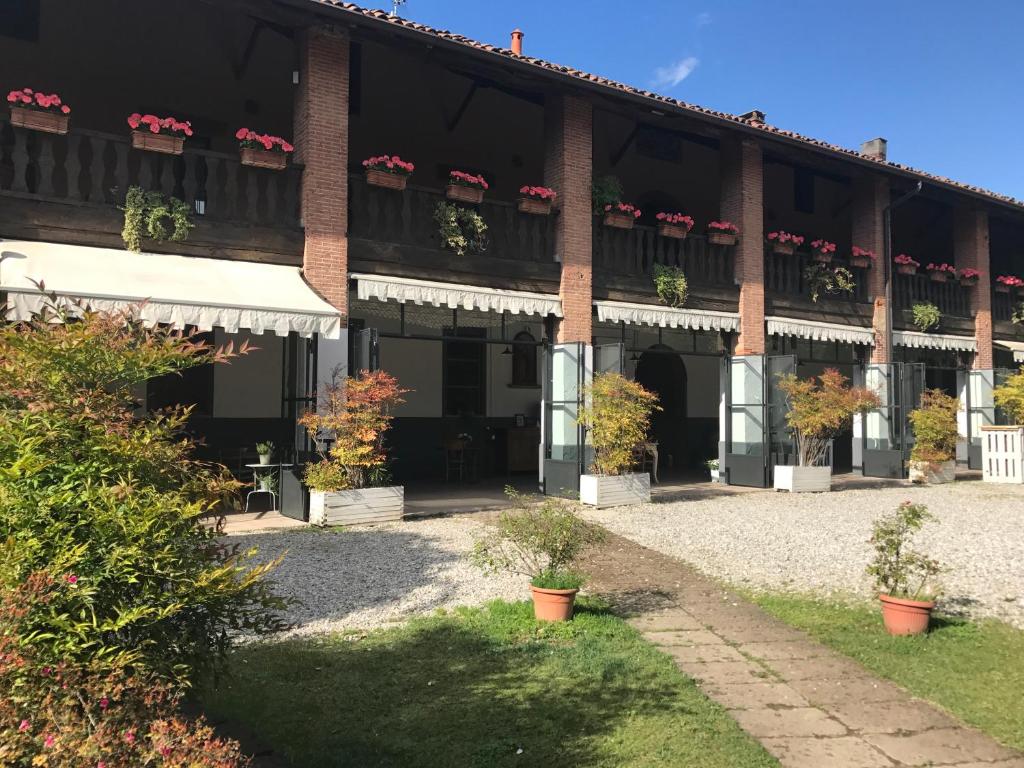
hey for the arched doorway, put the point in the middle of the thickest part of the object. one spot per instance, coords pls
(660, 370)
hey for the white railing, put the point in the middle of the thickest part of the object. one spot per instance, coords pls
(1002, 454)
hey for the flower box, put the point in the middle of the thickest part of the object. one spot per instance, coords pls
(264, 158)
(615, 490)
(861, 257)
(822, 250)
(967, 282)
(932, 472)
(534, 206)
(938, 277)
(386, 180)
(158, 142)
(618, 220)
(363, 505)
(783, 243)
(464, 194)
(803, 479)
(721, 238)
(783, 249)
(824, 258)
(906, 269)
(39, 120)
(1001, 288)
(674, 231)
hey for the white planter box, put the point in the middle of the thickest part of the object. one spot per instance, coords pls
(715, 475)
(365, 505)
(1002, 454)
(933, 474)
(615, 490)
(803, 479)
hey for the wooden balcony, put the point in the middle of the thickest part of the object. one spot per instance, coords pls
(950, 297)
(68, 189)
(786, 276)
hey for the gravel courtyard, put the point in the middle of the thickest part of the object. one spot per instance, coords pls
(366, 577)
(818, 542)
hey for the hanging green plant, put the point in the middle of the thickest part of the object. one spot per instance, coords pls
(827, 279)
(671, 285)
(1017, 315)
(926, 316)
(153, 215)
(462, 230)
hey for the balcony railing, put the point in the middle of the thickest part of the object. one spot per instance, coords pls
(786, 276)
(950, 297)
(1003, 305)
(635, 251)
(406, 219)
(88, 167)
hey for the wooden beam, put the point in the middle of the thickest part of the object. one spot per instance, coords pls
(453, 123)
(615, 157)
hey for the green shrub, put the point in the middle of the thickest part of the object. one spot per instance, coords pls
(1010, 396)
(935, 427)
(149, 214)
(605, 190)
(899, 571)
(109, 504)
(617, 415)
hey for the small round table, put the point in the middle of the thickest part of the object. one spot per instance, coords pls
(256, 468)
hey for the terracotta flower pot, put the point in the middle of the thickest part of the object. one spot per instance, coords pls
(166, 143)
(618, 220)
(674, 231)
(378, 178)
(905, 617)
(906, 269)
(465, 194)
(938, 277)
(721, 238)
(535, 206)
(783, 249)
(264, 158)
(968, 282)
(39, 120)
(1000, 288)
(863, 262)
(824, 258)
(553, 604)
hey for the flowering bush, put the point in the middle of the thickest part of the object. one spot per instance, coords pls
(863, 253)
(724, 226)
(623, 208)
(906, 261)
(249, 139)
(943, 267)
(1010, 281)
(616, 416)
(156, 124)
(785, 237)
(389, 164)
(463, 179)
(675, 218)
(1010, 396)
(30, 99)
(970, 274)
(538, 193)
(823, 247)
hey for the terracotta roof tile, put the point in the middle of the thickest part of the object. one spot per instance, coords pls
(383, 16)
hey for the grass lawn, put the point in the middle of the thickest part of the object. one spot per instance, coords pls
(974, 670)
(473, 688)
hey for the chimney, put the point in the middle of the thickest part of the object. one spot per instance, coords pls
(517, 42)
(875, 148)
(754, 116)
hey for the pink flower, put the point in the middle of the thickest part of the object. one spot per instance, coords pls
(104, 702)
(49, 740)
(72, 579)
(129, 737)
(66, 109)
(241, 133)
(24, 725)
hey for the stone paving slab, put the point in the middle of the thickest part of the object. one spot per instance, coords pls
(785, 649)
(755, 695)
(939, 746)
(704, 653)
(895, 716)
(793, 721)
(838, 752)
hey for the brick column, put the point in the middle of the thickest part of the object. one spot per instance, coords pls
(568, 169)
(970, 248)
(321, 144)
(743, 204)
(870, 196)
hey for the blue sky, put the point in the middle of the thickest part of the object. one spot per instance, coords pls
(941, 80)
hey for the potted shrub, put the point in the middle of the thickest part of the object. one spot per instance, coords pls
(926, 316)
(906, 265)
(620, 215)
(466, 187)
(38, 111)
(670, 284)
(819, 409)
(822, 250)
(261, 150)
(674, 225)
(350, 483)
(1007, 283)
(541, 540)
(616, 414)
(265, 450)
(783, 243)
(940, 273)
(712, 465)
(159, 134)
(933, 456)
(901, 574)
(862, 258)
(536, 200)
(722, 233)
(388, 171)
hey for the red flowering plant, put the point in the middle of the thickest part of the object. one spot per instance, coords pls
(970, 274)
(785, 237)
(1010, 281)
(677, 219)
(249, 139)
(943, 267)
(862, 253)
(463, 179)
(155, 124)
(905, 261)
(30, 99)
(538, 193)
(389, 164)
(726, 227)
(624, 208)
(824, 247)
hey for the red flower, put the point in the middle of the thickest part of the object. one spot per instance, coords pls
(24, 725)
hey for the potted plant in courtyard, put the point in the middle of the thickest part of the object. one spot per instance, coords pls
(261, 150)
(38, 111)
(541, 540)
(722, 233)
(783, 243)
(862, 258)
(350, 483)
(620, 215)
(933, 456)
(940, 273)
(906, 265)
(265, 451)
(388, 171)
(616, 414)
(902, 575)
(159, 134)
(822, 250)
(712, 465)
(536, 200)
(466, 187)
(819, 409)
(1007, 283)
(969, 277)
(674, 225)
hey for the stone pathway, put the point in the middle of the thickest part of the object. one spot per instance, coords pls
(808, 705)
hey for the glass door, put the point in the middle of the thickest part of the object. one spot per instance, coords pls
(781, 444)
(365, 351)
(609, 358)
(564, 456)
(886, 437)
(745, 430)
(979, 408)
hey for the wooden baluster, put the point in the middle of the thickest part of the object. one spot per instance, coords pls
(252, 195)
(405, 218)
(45, 165)
(189, 180)
(232, 209)
(293, 195)
(122, 173)
(146, 170)
(20, 159)
(73, 167)
(97, 170)
(273, 194)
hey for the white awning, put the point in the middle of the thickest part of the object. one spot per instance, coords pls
(817, 331)
(176, 290)
(934, 341)
(1017, 347)
(666, 317)
(455, 296)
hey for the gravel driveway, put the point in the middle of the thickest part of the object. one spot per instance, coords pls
(818, 542)
(366, 577)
